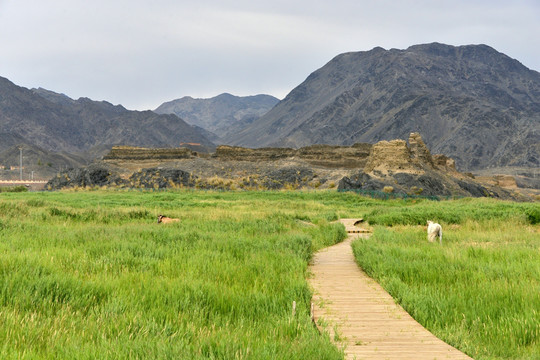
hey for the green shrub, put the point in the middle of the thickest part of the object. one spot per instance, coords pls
(16, 189)
(533, 215)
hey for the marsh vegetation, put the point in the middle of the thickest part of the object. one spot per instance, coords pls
(90, 274)
(480, 290)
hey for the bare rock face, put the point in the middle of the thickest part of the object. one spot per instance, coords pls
(419, 150)
(93, 175)
(410, 169)
(157, 178)
(330, 156)
(478, 97)
(388, 156)
(444, 162)
(278, 179)
(139, 153)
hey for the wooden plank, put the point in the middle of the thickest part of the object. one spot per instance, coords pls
(369, 324)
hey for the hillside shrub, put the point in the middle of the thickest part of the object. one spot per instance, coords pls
(533, 215)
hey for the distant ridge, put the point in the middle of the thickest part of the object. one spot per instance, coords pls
(221, 115)
(472, 103)
(54, 122)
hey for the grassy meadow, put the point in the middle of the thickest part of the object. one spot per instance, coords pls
(90, 274)
(480, 290)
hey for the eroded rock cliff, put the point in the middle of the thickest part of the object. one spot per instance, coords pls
(409, 168)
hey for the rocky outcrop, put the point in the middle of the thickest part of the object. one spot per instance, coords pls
(419, 151)
(444, 162)
(394, 167)
(158, 178)
(91, 176)
(361, 181)
(291, 176)
(397, 155)
(401, 168)
(388, 156)
(330, 156)
(139, 153)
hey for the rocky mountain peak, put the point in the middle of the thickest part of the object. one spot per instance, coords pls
(56, 123)
(471, 102)
(221, 114)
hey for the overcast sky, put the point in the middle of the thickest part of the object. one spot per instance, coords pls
(141, 53)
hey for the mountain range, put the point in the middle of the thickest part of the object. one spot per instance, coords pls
(472, 103)
(222, 115)
(46, 122)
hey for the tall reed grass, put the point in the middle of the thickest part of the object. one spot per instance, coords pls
(480, 290)
(91, 275)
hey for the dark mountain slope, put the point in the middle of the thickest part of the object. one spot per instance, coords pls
(36, 161)
(9, 140)
(57, 123)
(220, 113)
(471, 103)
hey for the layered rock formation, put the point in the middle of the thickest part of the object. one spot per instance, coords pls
(139, 153)
(225, 152)
(396, 155)
(330, 156)
(401, 168)
(387, 156)
(398, 166)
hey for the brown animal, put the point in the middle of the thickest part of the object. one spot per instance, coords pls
(166, 220)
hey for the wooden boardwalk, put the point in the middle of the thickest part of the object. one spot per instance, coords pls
(361, 316)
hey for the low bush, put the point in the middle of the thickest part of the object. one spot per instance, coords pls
(16, 189)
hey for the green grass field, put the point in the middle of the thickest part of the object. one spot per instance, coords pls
(91, 275)
(480, 290)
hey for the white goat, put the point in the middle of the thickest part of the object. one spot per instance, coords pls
(434, 230)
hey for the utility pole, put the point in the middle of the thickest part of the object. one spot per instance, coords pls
(20, 162)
